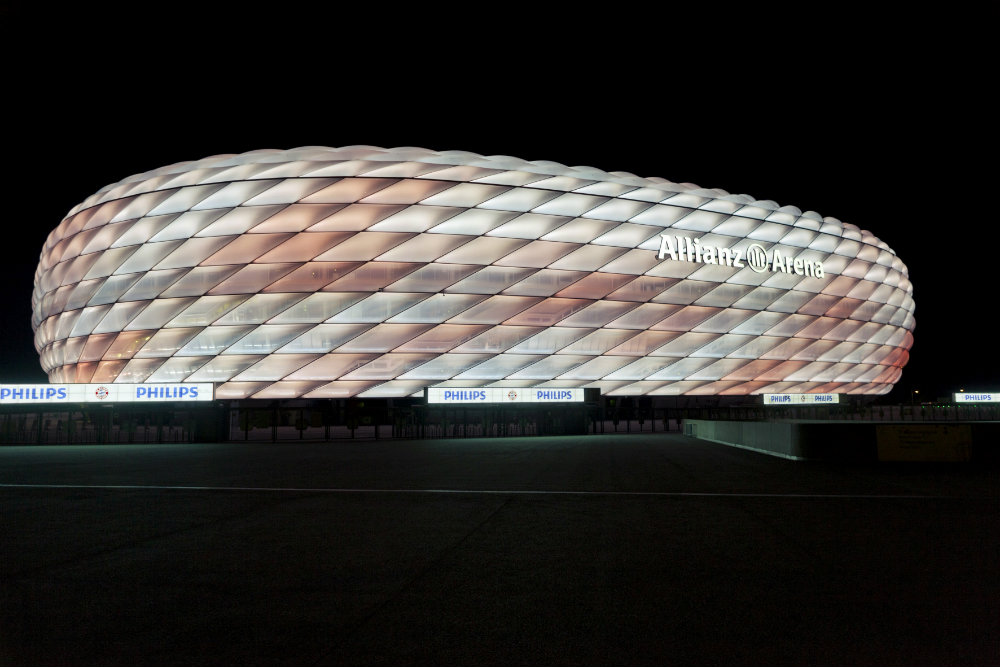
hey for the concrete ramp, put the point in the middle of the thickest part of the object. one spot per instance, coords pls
(855, 441)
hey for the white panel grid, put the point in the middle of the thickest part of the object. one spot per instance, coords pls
(493, 269)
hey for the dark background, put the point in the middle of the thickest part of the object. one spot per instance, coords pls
(877, 119)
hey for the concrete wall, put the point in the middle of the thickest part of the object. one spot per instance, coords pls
(856, 441)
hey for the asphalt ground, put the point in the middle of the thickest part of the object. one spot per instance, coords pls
(652, 549)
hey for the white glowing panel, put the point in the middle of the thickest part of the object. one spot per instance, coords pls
(337, 272)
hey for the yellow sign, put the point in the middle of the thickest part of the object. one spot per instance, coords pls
(924, 442)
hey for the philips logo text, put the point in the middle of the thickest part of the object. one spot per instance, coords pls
(159, 393)
(33, 393)
(553, 395)
(464, 395)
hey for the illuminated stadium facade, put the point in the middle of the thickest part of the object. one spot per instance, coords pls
(369, 272)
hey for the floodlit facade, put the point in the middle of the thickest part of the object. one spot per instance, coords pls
(362, 271)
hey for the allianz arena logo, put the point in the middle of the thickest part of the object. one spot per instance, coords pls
(683, 249)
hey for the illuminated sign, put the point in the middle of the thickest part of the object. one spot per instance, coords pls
(981, 397)
(801, 399)
(105, 393)
(683, 249)
(483, 395)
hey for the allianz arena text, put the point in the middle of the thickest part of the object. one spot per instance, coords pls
(363, 271)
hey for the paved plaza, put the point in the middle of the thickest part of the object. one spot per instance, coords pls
(651, 549)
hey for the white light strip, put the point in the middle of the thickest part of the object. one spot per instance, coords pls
(106, 393)
(485, 395)
(801, 399)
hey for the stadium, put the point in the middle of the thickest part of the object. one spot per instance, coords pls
(365, 272)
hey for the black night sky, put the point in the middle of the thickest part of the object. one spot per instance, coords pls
(879, 121)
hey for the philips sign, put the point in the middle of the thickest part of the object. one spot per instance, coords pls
(981, 397)
(31, 394)
(801, 399)
(105, 393)
(168, 392)
(483, 395)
